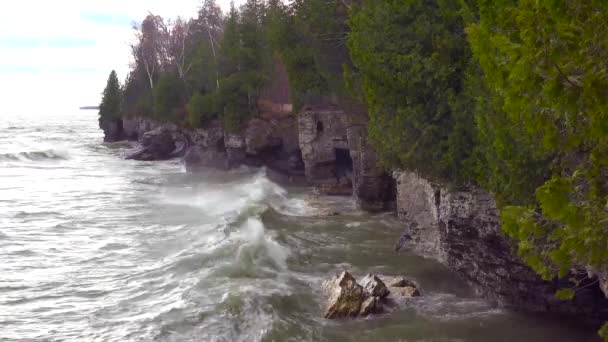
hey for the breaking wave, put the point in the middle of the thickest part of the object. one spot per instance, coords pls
(35, 156)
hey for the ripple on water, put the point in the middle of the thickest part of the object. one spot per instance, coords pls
(113, 246)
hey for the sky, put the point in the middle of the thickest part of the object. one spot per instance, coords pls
(57, 55)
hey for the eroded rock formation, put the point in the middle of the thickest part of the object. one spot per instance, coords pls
(325, 151)
(112, 130)
(373, 187)
(270, 140)
(461, 230)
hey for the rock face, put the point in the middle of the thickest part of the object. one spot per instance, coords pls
(324, 145)
(112, 130)
(270, 140)
(373, 187)
(197, 158)
(374, 286)
(339, 159)
(461, 230)
(345, 296)
(159, 144)
(348, 299)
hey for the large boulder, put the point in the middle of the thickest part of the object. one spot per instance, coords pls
(158, 144)
(345, 296)
(348, 299)
(374, 286)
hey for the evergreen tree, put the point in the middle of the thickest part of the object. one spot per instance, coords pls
(111, 101)
(542, 60)
(413, 58)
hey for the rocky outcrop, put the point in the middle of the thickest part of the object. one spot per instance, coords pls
(461, 230)
(270, 140)
(158, 144)
(324, 144)
(348, 299)
(373, 187)
(339, 159)
(112, 129)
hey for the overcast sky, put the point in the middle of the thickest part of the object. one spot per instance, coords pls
(56, 55)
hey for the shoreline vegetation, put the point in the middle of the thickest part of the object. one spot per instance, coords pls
(509, 96)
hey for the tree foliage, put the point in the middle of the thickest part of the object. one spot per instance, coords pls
(111, 101)
(413, 59)
(546, 62)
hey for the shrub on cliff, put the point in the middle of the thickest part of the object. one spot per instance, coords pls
(413, 61)
(111, 101)
(201, 109)
(168, 98)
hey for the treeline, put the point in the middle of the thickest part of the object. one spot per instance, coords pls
(215, 65)
(509, 95)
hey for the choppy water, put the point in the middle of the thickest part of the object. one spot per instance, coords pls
(97, 248)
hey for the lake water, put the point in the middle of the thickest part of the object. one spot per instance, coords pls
(97, 248)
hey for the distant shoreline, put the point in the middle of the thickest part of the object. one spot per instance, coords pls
(89, 108)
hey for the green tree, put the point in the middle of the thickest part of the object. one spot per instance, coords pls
(111, 101)
(413, 61)
(291, 43)
(244, 62)
(201, 109)
(137, 95)
(169, 98)
(543, 60)
(546, 63)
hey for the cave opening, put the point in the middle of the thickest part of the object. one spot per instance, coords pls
(319, 127)
(344, 163)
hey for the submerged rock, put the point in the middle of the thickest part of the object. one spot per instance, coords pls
(403, 287)
(349, 299)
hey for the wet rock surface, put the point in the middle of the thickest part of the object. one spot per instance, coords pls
(112, 129)
(323, 141)
(373, 187)
(270, 140)
(158, 144)
(461, 229)
(347, 298)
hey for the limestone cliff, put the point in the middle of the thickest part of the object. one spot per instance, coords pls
(340, 160)
(461, 230)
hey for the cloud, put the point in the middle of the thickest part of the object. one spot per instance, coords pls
(59, 53)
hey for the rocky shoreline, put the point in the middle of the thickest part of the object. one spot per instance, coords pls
(327, 149)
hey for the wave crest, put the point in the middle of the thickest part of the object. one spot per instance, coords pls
(34, 156)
